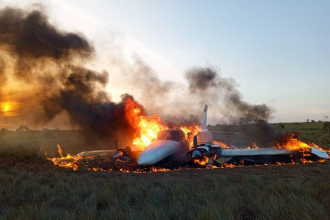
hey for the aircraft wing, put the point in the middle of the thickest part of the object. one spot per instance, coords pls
(255, 152)
(100, 153)
(319, 153)
(269, 151)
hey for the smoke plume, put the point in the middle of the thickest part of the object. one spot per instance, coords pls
(49, 68)
(49, 64)
(207, 84)
(183, 103)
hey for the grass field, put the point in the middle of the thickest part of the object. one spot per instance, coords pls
(310, 132)
(33, 188)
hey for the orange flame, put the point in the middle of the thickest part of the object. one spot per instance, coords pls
(147, 127)
(223, 145)
(293, 143)
(67, 161)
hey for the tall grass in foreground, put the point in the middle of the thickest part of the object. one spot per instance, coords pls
(32, 188)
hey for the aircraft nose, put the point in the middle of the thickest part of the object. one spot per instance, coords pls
(147, 158)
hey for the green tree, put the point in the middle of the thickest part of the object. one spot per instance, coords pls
(23, 128)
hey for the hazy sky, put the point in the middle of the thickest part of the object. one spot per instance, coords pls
(277, 51)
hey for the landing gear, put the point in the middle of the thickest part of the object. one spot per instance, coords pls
(206, 155)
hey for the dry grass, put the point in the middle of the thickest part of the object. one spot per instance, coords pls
(32, 188)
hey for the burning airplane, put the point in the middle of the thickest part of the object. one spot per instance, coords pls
(46, 78)
(171, 144)
(174, 146)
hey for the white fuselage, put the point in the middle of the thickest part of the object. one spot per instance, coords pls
(157, 151)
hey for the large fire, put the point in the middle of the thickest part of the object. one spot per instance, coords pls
(146, 130)
(147, 127)
(292, 143)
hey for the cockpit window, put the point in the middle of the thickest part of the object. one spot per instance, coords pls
(173, 135)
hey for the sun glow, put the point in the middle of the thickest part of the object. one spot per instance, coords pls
(6, 107)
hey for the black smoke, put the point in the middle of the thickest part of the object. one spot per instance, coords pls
(31, 39)
(51, 63)
(183, 103)
(207, 84)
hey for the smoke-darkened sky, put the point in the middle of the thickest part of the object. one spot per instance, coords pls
(277, 55)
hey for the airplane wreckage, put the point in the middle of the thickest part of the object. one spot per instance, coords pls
(171, 149)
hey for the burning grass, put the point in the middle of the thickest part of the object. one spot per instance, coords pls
(32, 188)
(92, 163)
(146, 131)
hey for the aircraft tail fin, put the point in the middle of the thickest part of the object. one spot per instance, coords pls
(204, 119)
